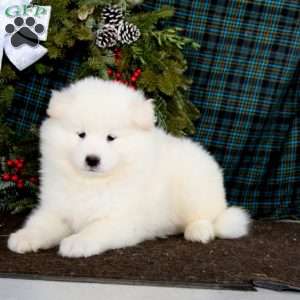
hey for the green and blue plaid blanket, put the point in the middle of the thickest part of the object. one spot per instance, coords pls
(246, 86)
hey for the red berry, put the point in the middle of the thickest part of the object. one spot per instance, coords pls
(118, 75)
(5, 177)
(133, 78)
(19, 161)
(20, 184)
(110, 72)
(19, 165)
(15, 178)
(138, 71)
(10, 162)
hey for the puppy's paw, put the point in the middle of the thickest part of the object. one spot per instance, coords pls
(77, 245)
(23, 241)
(199, 231)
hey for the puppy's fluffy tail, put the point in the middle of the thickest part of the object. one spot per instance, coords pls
(232, 223)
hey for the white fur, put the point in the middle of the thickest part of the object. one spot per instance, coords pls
(233, 223)
(148, 184)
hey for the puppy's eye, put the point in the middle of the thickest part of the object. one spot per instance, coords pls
(82, 135)
(110, 138)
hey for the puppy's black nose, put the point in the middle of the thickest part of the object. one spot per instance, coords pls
(92, 160)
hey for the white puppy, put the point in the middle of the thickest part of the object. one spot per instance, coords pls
(111, 179)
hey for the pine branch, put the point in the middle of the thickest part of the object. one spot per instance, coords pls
(147, 21)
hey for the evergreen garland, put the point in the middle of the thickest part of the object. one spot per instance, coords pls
(156, 54)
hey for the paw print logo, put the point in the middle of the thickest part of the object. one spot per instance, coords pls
(24, 33)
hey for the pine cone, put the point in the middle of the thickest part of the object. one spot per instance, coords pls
(112, 15)
(128, 33)
(106, 37)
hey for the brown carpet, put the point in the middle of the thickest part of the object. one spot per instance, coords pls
(268, 257)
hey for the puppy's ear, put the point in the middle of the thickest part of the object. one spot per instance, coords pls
(143, 114)
(56, 105)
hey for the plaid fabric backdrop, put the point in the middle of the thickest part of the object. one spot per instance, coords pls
(246, 85)
(33, 92)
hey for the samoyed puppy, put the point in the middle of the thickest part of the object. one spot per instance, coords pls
(111, 179)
